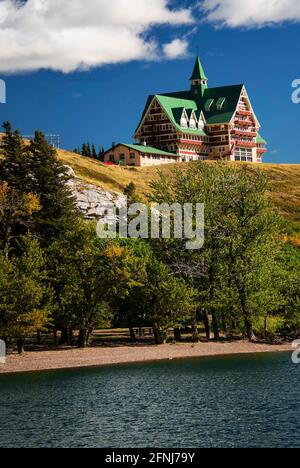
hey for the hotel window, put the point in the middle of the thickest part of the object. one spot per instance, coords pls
(243, 155)
(220, 103)
(208, 105)
(201, 124)
(183, 122)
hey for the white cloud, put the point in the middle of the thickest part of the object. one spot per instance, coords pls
(68, 35)
(251, 13)
(176, 49)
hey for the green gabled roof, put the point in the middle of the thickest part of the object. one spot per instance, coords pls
(198, 73)
(171, 103)
(174, 103)
(189, 112)
(177, 113)
(148, 149)
(230, 95)
(260, 139)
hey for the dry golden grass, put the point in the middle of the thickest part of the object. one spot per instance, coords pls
(284, 182)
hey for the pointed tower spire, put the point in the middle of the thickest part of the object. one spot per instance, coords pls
(198, 79)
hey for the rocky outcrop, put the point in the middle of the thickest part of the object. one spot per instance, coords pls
(95, 202)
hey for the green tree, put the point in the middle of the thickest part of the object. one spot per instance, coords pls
(130, 191)
(241, 241)
(128, 261)
(14, 165)
(94, 152)
(169, 302)
(36, 170)
(16, 210)
(80, 277)
(24, 307)
(289, 261)
(49, 181)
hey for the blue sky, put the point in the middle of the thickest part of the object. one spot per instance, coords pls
(103, 104)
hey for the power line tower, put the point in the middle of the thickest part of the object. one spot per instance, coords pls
(52, 139)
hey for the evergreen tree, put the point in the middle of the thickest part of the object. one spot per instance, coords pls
(14, 166)
(36, 171)
(49, 182)
(101, 154)
(88, 150)
(94, 152)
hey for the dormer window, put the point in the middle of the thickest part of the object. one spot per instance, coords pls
(183, 122)
(201, 124)
(192, 119)
(220, 103)
(208, 105)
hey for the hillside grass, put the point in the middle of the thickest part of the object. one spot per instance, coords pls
(284, 181)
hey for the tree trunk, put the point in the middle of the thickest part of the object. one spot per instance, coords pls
(64, 336)
(224, 324)
(157, 334)
(38, 336)
(82, 338)
(206, 324)
(20, 346)
(177, 334)
(265, 327)
(131, 330)
(246, 313)
(195, 332)
(55, 337)
(215, 327)
(70, 337)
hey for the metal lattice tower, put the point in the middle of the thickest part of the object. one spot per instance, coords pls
(53, 139)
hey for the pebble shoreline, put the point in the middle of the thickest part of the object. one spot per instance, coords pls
(105, 356)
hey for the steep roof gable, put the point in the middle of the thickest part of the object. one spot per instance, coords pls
(174, 103)
(229, 95)
(198, 72)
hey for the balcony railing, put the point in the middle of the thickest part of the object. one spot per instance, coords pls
(245, 131)
(244, 122)
(191, 142)
(244, 112)
(248, 144)
(262, 150)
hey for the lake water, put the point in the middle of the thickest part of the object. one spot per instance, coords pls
(242, 401)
